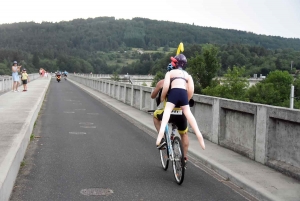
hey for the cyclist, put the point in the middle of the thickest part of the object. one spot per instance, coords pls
(65, 74)
(58, 75)
(182, 89)
(177, 118)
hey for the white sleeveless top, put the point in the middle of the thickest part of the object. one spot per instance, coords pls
(15, 68)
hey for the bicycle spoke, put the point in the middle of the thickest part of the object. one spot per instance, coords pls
(178, 162)
(164, 156)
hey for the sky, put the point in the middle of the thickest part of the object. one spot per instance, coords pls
(267, 17)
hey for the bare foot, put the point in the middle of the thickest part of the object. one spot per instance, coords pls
(201, 141)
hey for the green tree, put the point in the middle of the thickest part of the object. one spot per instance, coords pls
(204, 67)
(3, 69)
(297, 87)
(274, 90)
(296, 92)
(159, 76)
(234, 85)
(36, 60)
(115, 76)
(166, 48)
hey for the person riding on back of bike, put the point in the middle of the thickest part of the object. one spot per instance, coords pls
(178, 88)
(178, 119)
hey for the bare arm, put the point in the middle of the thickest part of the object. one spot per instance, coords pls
(158, 86)
(165, 87)
(190, 87)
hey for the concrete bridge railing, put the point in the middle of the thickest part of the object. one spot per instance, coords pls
(267, 134)
(6, 82)
(108, 76)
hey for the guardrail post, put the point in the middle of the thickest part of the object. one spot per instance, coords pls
(104, 87)
(125, 92)
(98, 85)
(119, 91)
(109, 93)
(261, 134)
(216, 121)
(152, 106)
(132, 91)
(141, 97)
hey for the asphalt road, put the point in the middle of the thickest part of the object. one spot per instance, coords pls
(83, 148)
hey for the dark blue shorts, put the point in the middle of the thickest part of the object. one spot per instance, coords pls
(178, 97)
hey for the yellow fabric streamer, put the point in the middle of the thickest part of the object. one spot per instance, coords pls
(180, 48)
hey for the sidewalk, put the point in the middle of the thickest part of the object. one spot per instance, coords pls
(18, 112)
(261, 181)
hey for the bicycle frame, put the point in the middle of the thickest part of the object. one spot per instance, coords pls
(169, 143)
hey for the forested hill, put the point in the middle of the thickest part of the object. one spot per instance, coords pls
(80, 37)
(107, 45)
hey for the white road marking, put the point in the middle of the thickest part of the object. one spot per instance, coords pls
(93, 113)
(87, 126)
(86, 123)
(78, 133)
(68, 112)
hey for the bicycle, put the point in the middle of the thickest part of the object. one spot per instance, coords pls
(173, 151)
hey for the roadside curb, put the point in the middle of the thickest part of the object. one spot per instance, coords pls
(11, 163)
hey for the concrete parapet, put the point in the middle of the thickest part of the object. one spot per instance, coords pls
(266, 134)
(6, 81)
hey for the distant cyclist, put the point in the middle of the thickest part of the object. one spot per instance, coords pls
(58, 74)
(65, 74)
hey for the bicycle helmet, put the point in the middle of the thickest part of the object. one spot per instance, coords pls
(179, 61)
(15, 62)
(169, 67)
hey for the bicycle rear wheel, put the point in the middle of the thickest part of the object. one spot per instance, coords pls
(164, 156)
(178, 162)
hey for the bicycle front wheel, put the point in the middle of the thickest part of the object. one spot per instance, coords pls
(164, 156)
(178, 162)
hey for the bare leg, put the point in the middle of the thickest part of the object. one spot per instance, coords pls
(17, 85)
(192, 121)
(185, 143)
(156, 123)
(167, 112)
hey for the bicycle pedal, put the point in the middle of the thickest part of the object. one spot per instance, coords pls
(162, 148)
(162, 145)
